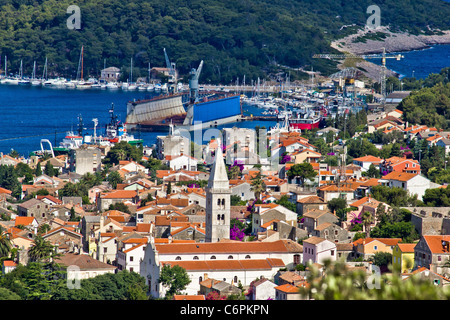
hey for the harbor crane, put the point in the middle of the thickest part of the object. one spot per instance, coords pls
(172, 81)
(193, 82)
(367, 56)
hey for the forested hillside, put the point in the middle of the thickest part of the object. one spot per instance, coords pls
(234, 38)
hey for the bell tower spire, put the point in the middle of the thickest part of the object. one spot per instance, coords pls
(218, 200)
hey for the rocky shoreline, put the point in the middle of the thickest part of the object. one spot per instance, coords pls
(393, 42)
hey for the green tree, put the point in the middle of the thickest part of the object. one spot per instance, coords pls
(123, 151)
(395, 150)
(367, 220)
(6, 294)
(43, 228)
(373, 172)
(8, 180)
(5, 244)
(257, 186)
(336, 204)
(73, 216)
(284, 201)
(341, 283)
(302, 171)
(50, 170)
(136, 292)
(174, 278)
(236, 200)
(394, 196)
(233, 172)
(41, 250)
(24, 170)
(119, 206)
(38, 170)
(382, 259)
(114, 179)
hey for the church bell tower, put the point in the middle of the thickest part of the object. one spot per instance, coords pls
(218, 200)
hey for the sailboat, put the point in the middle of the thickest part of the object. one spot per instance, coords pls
(45, 80)
(5, 79)
(131, 86)
(82, 84)
(22, 80)
(150, 86)
(10, 80)
(35, 81)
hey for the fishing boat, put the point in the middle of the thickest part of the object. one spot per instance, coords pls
(117, 131)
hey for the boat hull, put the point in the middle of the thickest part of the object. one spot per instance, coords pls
(305, 125)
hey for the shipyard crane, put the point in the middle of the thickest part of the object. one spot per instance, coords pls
(367, 56)
(172, 81)
(193, 82)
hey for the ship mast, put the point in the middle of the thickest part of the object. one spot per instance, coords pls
(82, 63)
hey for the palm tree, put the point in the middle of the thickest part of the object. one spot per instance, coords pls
(42, 250)
(367, 220)
(121, 155)
(258, 186)
(43, 228)
(234, 172)
(5, 244)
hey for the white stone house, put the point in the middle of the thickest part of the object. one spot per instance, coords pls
(133, 167)
(262, 289)
(411, 182)
(130, 257)
(242, 189)
(318, 250)
(83, 266)
(183, 162)
(110, 74)
(269, 212)
(107, 247)
(230, 261)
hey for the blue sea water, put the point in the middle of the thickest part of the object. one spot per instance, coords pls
(29, 114)
(419, 63)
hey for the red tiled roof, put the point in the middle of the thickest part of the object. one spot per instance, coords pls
(188, 297)
(257, 264)
(230, 247)
(287, 288)
(406, 247)
(368, 158)
(26, 221)
(399, 176)
(120, 194)
(9, 263)
(434, 242)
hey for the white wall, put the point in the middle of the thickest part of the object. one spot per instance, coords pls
(319, 252)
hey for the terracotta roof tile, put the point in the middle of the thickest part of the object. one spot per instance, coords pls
(230, 247)
(257, 264)
(434, 242)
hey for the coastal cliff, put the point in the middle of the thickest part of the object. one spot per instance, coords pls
(362, 43)
(367, 41)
